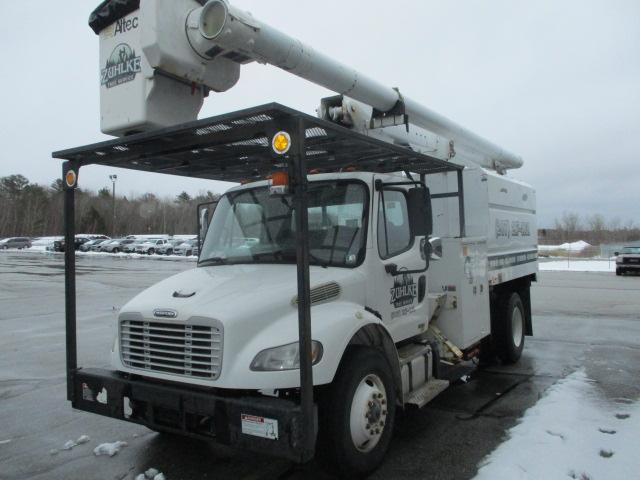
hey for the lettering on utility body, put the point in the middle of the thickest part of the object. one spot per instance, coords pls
(510, 229)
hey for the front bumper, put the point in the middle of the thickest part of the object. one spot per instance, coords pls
(268, 425)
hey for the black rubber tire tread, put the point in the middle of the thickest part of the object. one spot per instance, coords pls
(505, 347)
(336, 452)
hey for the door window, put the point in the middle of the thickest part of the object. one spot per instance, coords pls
(394, 231)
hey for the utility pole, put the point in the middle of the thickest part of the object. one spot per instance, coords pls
(113, 179)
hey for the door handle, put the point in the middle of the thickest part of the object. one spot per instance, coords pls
(391, 268)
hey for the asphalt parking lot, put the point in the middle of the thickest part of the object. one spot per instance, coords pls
(581, 320)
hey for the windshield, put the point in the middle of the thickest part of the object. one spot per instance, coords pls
(251, 226)
(631, 250)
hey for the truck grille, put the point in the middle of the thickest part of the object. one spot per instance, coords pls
(175, 349)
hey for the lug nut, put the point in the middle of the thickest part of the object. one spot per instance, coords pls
(377, 431)
(370, 404)
(384, 402)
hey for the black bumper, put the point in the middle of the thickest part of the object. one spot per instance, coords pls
(197, 413)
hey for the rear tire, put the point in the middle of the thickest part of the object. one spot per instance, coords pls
(357, 415)
(510, 328)
(618, 271)
(115, 250)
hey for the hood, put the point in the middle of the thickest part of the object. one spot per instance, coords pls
(228, 292)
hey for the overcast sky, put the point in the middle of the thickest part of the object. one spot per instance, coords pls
(557, 82)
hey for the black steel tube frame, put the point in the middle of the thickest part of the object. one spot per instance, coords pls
(299, 185)
(70, 275)
(298, 175)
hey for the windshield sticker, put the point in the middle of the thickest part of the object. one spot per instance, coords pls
(122, 66)
(404, 291)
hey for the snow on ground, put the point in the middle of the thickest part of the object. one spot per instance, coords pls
(579, 265)
(572, 246)
(109, 448)
(573, 432)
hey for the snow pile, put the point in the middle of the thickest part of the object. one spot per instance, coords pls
(109, 448)
(572, 246)
(151, 474)
(571, 433)
(578, 266)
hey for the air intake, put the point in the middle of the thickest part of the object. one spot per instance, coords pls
(322, 293)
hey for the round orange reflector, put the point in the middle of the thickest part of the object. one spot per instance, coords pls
(281, 143)
(70, 178)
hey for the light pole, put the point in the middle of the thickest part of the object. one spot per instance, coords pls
(113, 179)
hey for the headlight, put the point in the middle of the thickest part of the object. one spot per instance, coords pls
(286, 357)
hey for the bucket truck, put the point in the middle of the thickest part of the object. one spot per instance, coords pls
(366, 256)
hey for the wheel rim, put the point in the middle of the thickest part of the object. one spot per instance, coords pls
(368, 413)
(516, 326)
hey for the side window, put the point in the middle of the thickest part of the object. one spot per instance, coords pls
(394, 231)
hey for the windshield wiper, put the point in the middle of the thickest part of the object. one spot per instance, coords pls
(212, 261)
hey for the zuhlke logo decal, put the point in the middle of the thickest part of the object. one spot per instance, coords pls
(122, 66)
(404, 291)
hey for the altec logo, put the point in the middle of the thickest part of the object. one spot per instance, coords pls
(125, 24)
(122, 66)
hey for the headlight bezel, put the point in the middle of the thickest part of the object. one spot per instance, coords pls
(288, 356)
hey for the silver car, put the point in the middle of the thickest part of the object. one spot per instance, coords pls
(116, 246)
(15, 242)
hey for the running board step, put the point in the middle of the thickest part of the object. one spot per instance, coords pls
(423, 395)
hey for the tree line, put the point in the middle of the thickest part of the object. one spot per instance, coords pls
(33, 210)
(594, 229)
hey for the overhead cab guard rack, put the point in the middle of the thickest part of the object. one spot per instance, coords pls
(236, 147)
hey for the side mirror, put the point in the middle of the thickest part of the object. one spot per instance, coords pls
(205, 213)
(435, 248)
(419, 206)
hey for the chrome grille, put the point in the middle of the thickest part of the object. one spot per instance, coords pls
(172, 348)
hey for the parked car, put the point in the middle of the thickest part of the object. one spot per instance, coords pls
(151, 246)
(628, 260)
(15, 242)
(116, 246)
(86, 247)
(97, 246)
(167, 248)
(59, 245)
(188, 248)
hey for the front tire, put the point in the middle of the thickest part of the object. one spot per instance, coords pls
(357, 415)
(510, 328)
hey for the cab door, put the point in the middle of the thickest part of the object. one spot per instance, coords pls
(398, 262)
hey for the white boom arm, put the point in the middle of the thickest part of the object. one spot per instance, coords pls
(220, 24)
(167, 82)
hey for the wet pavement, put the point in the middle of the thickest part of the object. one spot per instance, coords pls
(581, 320)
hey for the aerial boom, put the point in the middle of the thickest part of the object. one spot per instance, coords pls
(168, 82)
(218, 27)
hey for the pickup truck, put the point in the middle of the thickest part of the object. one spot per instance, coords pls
(628, 260)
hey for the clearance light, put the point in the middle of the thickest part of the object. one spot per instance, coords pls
(279, 184)
(281, 143)
(70, 178)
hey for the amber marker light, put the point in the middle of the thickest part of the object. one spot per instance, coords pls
(281, 143)
(70, 178)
